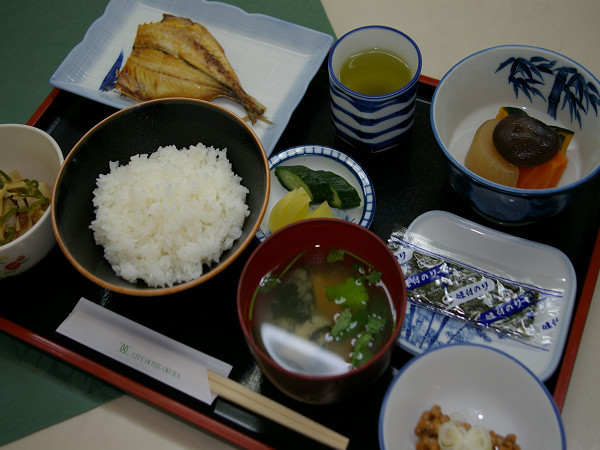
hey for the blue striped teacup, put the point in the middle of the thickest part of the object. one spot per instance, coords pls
(373, 122)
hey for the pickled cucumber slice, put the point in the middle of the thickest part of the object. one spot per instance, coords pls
(293, 177)
(320, 185)
(343, 195)
(484, 160)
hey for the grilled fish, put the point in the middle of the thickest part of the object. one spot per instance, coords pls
(180, 58)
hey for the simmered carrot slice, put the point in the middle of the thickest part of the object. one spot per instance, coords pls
(543, 176)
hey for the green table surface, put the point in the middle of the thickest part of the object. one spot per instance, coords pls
(37, 35)
(36, 389)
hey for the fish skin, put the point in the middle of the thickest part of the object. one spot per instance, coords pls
(197, 50)
(189, 41)
(150, 73)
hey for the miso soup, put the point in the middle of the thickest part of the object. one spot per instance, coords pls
(324, 312)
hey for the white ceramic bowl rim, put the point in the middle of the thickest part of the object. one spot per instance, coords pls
(491, 184)
(405, 88)
(48, 212)
(427, 353)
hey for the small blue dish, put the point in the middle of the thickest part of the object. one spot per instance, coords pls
(548, 86)
(318, 157)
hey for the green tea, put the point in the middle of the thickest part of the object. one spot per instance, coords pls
(375, 72)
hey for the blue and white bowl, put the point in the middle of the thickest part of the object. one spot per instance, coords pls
(373, 122)
(550, 87)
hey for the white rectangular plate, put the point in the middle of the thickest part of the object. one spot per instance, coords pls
(491, 251)
(274, 60)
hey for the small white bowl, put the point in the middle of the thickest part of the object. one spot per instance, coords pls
(37, 156)
(484, 386)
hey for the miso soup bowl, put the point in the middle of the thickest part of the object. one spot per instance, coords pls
(282, 246)
(550, 87)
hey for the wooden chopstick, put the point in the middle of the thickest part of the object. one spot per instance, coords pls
(247, 398)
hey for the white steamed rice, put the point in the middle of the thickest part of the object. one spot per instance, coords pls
(162, 217)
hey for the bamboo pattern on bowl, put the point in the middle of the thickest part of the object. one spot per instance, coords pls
(526, 75)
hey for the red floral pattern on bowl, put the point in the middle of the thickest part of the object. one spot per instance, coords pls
(13, 265)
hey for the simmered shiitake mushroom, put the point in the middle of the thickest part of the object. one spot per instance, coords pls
(517, 150)
(525, 141)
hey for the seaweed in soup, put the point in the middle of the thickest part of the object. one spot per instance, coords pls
(330, 298)
(294, 298)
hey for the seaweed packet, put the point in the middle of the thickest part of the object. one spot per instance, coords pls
(446, 282)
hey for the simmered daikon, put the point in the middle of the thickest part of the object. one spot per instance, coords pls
(484, 160)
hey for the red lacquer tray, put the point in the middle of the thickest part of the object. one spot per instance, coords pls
(408, 181)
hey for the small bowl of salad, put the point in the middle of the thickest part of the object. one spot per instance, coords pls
(30, 161)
